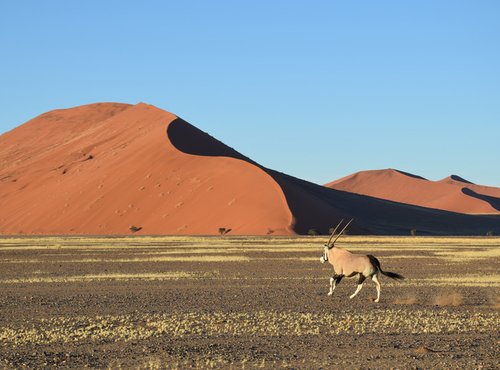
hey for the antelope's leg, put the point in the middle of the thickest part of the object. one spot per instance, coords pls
(332, 286)
(360, 285)
(334, 280)
(377, 283)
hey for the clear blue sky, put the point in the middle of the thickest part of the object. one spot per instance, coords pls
(315, 89)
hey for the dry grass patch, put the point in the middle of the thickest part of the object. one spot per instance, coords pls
(424, 240)
(468, 255)
(399, 256)
(196, 361)
(173, 275)
(214, 258)
(463, 280)
(126, 328)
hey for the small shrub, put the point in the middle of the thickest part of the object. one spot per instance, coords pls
(413, 232)
(312, 232)
(223, 231)
(135, 229)
(490, 233)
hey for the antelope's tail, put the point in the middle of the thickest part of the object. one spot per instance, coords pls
(376, 263)
(392, 275)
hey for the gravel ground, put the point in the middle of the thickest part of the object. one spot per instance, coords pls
(158, 303)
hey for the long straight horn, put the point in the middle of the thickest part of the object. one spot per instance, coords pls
(345, 227)
(336, 227)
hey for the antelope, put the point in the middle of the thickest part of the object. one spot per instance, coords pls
(349, 265)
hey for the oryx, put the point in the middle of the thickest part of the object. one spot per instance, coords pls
(348, 264)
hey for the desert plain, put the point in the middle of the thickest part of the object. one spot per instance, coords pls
(245, 302)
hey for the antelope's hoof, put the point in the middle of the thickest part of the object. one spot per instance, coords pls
(329, 294)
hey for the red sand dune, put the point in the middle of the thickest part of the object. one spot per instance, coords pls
(451, 194)
(102, 168)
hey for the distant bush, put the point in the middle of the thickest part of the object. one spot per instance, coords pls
(413, 232)
(135, 229)
(312, 232)
(490, 233)
(223, 230)
(331, 229)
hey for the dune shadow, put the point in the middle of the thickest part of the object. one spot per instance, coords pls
(318, 207)
(492, 201)
(411, 175)
(191, 140)
(460, 179)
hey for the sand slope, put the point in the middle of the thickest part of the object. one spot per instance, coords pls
(450, 194)
(102, 168)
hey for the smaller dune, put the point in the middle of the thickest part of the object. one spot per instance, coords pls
(452, 193)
